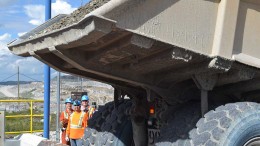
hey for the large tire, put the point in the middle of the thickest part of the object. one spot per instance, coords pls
(230, 125)
(110, 126)
(179, 122)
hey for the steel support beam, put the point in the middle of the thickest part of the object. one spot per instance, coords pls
(205, 83)
(204, 101)
(139, 113)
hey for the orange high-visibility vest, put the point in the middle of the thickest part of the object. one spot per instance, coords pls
(64, 118)
(65, 115)
(78, 121)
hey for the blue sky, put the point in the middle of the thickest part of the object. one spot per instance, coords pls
(18, 17)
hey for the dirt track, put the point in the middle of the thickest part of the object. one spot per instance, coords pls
(6, 91)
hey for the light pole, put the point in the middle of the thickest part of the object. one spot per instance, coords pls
(46, 123)
(58, 109)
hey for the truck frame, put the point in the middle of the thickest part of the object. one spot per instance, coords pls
(189, 67)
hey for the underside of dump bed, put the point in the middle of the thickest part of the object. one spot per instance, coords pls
(102, 49)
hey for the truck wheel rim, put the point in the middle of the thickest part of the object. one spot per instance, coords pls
(253, 142)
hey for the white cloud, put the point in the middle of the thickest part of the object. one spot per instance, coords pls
(10, 62)
(28, 65)
(37, 12)
(21, 33)
(61, 7)
(23, 61)
(3, 47)
(3, 50)
(5, 37)
(36, 22)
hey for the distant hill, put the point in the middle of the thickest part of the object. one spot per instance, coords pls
(69, 78)
(15, 82)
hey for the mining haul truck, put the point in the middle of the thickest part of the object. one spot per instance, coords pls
(184, 72)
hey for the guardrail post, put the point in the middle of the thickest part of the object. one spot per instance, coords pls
(2, 124)
(31, 123)
(31, 115)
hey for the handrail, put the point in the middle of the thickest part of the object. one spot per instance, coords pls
(31, 115)
(18, 116)
(22, 100)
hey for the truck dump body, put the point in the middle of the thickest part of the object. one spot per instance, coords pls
(175, 59)
(155, 45)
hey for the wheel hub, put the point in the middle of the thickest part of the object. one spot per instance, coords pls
(253, 142)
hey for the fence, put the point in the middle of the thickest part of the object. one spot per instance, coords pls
(31, 115)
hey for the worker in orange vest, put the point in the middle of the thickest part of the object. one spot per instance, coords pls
(78, 121)
(85, 106)
(64, 118)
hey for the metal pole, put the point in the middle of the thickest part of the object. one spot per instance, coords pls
(46, 123)
(58, 109)
(2, 124)
(81, 85)
(77, 83)
(31, 123)
(204, 102)
(18, 84)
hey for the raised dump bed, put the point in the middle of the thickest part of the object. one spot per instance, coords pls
(167, 52)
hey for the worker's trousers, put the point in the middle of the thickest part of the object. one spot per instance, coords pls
(63, 140)
(76, 142)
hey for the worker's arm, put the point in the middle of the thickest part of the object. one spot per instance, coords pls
(61, 118)
(68, 128)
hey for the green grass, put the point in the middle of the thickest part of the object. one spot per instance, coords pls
(23, 123)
